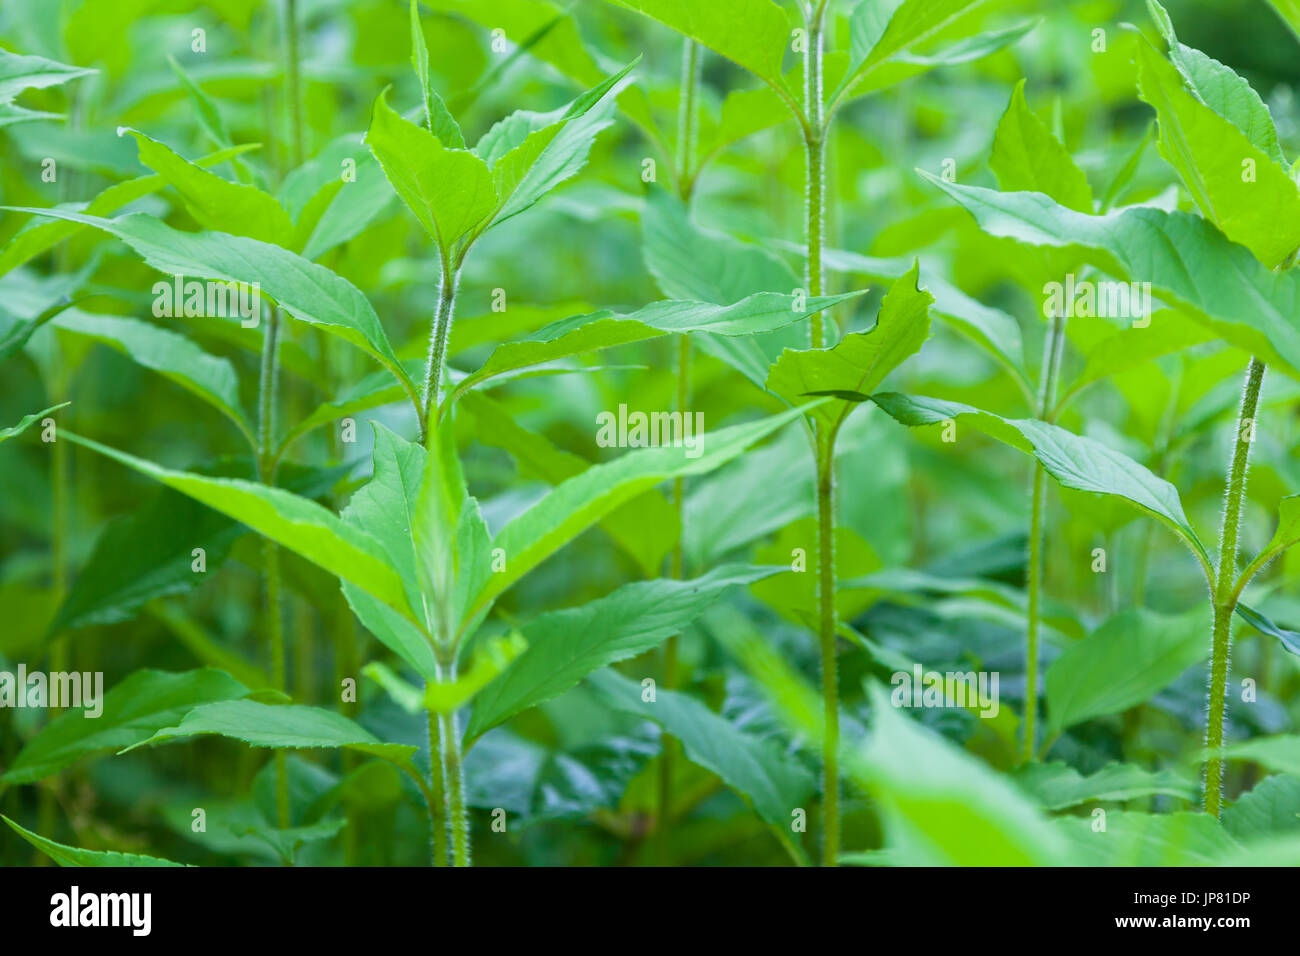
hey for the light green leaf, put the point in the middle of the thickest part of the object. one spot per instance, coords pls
(1280, 753)
(26, 422)
(75, 856)
(1261, 211)
(581, 501)
(1026, 156)
(1134, 839)
(18, 73)
(216, 203)
(565, 646)
(1125, 662)
(1075, 461)
(1287, 533)
(1058, 786)
(296, 523)
(308, 292)
(751, 33)
(1270, 808)
(491, 657)
(132, 711)
(287, 727)
(438, 118)
(854, 368)
(169, 353)
(450, 191)
(434, 524)
(774, 784)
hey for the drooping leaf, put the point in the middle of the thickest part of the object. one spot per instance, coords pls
(1290, 639)
(774, 785)
(75, 856)
(565, 646)
(26, 421)
(132, 711)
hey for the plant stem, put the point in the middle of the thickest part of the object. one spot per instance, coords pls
(828, 626)
(453, 776)
(815, 173)
(686, 117)
(291, 74)
(438, 801)
(1223, 592)
(1052, 351)
(266, 389)
(438, 338)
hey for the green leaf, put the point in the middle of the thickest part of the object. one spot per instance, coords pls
(763, 312)
(41, 234)
(440, 121)
(1075, 461)
(132, 711)
(18, 73)
(1280, 754)
(1125, 662)
(308, 292)
(579, 502)
(1187, 261)
(1221, 89)
(1167, 333)
(169, 353)
(941, 805)
(751, 33)
(296, 523)
(11, 114)
(1026, 156)
(75, 856)
(1287, 533)
(565, 646)
(1290, 639)
(491, 658)
(774, 784)
(855, 367)
(216, 203)
(1146, 839)
(26, 421)
(287, 727)
(1271, 807)
(1058, 786)
(434, 525)
(646, 527)
(450, 191)
(1211, 155)
(1289, 11)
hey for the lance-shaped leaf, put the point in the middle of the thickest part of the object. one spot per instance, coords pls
(1290, 639)
(532, 153)
(450, 191)
(296, 523)
(1220, 88)
(763, 312)
(1287, 534)
(892, 41)
(1125, 662)
(169, 353)
(12, 114)
(438, 118)
(308, 292)
(579, 502)
(1073, 460)
(1240, 188)
(853, 369)
(216, 203)
(1026, 156)
(26, 422)
(18, 73)
(773, 783)
(646, 527)
(132, 711)
(1187, 261)
(287, 727)
(565, 646)
(751, 33)
(75, 856)
(1058, 785)
(40, 234)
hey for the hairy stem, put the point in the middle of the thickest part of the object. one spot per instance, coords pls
(453, 776)
(686, 117)
(1224, 596)
(438, 338)
(1052, 351)
(827, 629)
(437, 798)
(266, 389)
